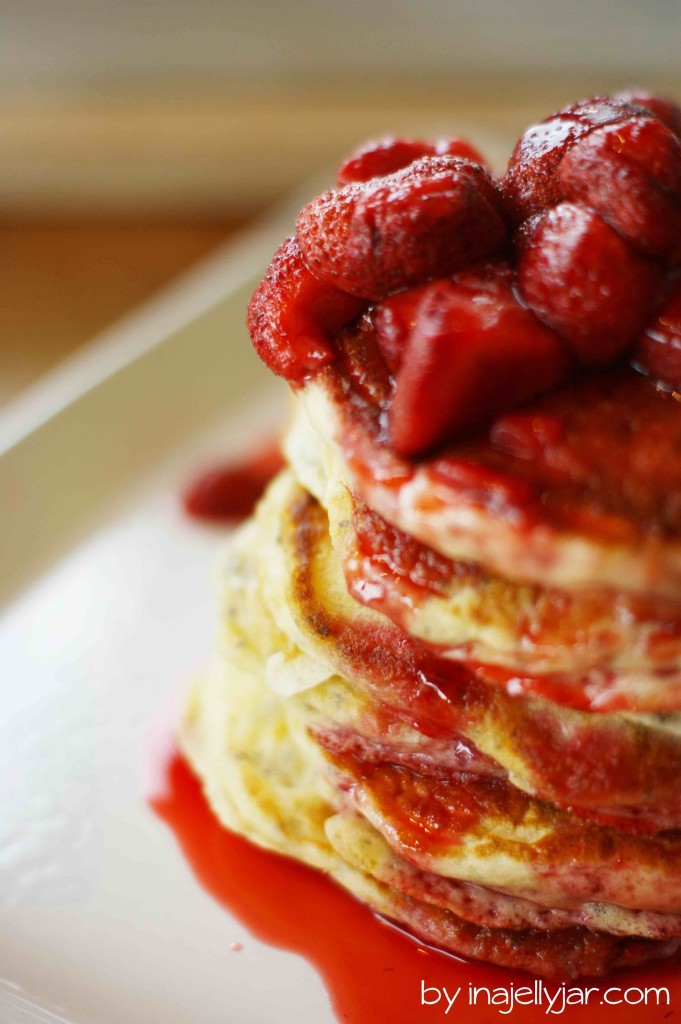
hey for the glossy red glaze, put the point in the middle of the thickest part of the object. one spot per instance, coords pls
(230, 492)
(593, 761)
(420, 809)
(373, 971)
(392, 572)
(384, 553)
(430, 814)
(606, 427)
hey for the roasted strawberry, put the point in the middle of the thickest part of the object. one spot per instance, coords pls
(393, 322)
(230, 492)
(530, 183)
(377, 237)
(379, 157)
(630, 173)
(584, 281)
(474, 352)
(658, 350)
(662, 107)
(292, 315)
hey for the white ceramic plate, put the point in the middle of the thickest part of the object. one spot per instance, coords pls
(108, 613)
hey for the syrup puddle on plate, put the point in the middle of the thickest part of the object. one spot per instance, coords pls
(374, 973)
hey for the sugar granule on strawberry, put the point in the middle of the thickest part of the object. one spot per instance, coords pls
(374, 238)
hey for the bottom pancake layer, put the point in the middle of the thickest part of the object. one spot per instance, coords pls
(266, 776)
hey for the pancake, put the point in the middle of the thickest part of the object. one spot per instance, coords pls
(577, 490)
(489, 833)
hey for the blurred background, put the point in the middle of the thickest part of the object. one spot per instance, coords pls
(139, 135)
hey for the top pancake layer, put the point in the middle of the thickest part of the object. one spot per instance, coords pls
(581, 488)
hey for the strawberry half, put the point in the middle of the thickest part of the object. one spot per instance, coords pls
(474, 352)
(393, 321)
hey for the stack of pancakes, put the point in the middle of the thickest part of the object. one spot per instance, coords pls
(452, 684)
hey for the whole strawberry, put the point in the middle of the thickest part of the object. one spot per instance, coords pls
(530, 183)
(374, 238)
(630, 173)
(664, 109)
(621, 160)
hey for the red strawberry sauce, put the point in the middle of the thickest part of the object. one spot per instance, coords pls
(374, 972)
